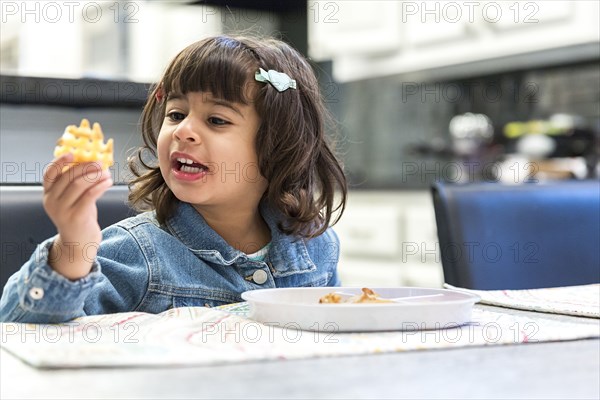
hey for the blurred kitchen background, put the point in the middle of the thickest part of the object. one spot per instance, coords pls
(505, 91)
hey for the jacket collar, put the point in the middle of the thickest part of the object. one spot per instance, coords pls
(287, 255)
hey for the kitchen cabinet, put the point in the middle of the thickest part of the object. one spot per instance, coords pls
(389, 239)
(365, 39)
(156, 41)
(105, 40)
(352, 28)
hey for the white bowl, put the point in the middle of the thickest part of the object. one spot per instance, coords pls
(299, 308)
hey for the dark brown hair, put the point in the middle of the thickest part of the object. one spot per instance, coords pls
(294, 155)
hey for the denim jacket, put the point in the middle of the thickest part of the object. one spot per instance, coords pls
(143, 266)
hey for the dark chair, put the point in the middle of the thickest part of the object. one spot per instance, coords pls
(495, 236)
(24, 223)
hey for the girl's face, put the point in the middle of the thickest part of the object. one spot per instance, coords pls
(206, 151)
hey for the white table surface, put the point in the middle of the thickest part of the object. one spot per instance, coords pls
(557, 370)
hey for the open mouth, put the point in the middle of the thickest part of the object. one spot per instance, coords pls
(188, 166)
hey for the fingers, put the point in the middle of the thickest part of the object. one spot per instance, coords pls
(96, 191)
(77, 200)
(70, 189)
(63, 172)
(56, 169)
(66, 183)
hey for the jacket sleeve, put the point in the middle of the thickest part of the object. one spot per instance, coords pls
(117, 282)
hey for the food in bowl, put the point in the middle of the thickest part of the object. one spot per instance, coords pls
(367, 296)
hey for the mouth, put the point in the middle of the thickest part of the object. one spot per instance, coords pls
(187, 168)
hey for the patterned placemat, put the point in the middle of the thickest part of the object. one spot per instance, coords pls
(581, 301)
(205, 336)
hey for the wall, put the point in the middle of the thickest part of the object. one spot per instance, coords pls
(28, 135)
(384, 119)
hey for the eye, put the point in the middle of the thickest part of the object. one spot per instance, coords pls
(217, 121)
(175, 116)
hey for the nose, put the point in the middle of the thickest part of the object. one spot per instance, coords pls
(186, 132)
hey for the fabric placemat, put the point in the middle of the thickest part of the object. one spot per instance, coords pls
(208, 336)
(580, 301)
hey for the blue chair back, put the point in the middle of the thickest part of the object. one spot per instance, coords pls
(495, 236)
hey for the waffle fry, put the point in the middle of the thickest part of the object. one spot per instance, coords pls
(367, 296)
(86, 144)
(331, 298)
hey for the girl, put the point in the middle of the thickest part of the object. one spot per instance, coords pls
(241, 186)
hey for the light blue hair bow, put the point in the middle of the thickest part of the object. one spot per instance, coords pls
(278, 80)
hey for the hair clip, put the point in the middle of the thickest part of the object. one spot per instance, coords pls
(278, 80)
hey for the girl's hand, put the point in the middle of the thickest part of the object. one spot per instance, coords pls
(70, 202)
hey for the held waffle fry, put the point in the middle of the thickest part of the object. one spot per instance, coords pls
(86, 144)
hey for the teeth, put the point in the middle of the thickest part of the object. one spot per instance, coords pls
(185, 161)
(191, 170)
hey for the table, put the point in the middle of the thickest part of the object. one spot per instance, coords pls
(538, 370)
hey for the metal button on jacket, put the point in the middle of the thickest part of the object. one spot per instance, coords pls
(36, 293)
(259, 276)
